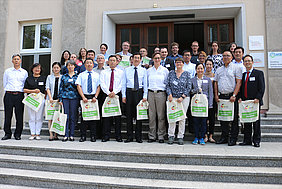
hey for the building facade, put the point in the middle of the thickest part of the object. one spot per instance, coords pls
(40, 30)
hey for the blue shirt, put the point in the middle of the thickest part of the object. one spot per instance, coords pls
(82, 80)
(174, 57)
(82, 67)
(191, 68)
(128, 79)
(68, 87)
(178, 86)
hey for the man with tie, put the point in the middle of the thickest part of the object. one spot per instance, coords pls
(88, 88)
(134, 89)
(165, 61)
(252, 88)
(111, 84)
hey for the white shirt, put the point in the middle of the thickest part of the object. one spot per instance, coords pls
(191, 68)
(105, 79)
(128, 79)
(13, 80)
(82, 80)
(157, 78)
(240, 64)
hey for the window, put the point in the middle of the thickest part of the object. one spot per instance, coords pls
(36, 45)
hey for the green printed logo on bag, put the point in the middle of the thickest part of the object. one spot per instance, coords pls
(176, 114)
(249, 114)
(32, 101)
(199, 109)
(50, 112)
(58, 126)
(142, 112)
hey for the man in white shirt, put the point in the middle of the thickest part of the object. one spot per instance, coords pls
(134, 83)
(13, 82)
(111, 84)
(238, 60)
(89, 89)
(188, 65)
(125, 49)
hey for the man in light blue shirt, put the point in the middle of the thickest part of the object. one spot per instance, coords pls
(134, 89)
(125, 49)
(188, 65)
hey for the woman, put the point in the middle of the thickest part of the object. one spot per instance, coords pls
(69, 98)
(52, 88)
(232, 47)
(215, 56)
(103, 51)
(64, 58)
(157, 76)
(203, 85)
(202, 57)
(81, 56)
(178, 87)
(35, 84)
(211, 118)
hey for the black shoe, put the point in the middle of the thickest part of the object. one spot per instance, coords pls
(82, 139)
(93, 139)
(105, 140)
(71, 139)
(119, 140)
(245, 143)
(65, 139)
(151, 140)
(6, 137)
(51, 139)
(128, 140)
(18, 138)
(222, 141)
(256, 144)
(232, 143)
(139, 140)
(56, 138)
(161, 141)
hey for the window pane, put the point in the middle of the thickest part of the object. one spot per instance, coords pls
(124, 35)
(151, 50)
(152, 35)
(163, 34)
(224, 32)
(28, 37)
(45, 35)
(135, 36)
(27, 61)
(134, 49)
(213, 33)
(45, 61)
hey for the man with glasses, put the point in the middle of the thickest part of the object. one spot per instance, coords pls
(165, 61)
(195, 52)
(227, 83)
(125, 49)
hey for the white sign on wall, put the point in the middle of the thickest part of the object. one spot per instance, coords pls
(256, 42)
(274, 59)
(258, 59)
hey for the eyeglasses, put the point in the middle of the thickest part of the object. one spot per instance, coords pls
(226, 56)
(157, 58)
(248, 61)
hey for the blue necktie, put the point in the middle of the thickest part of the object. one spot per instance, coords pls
(136, 82)
(89, 83)
(162, 62)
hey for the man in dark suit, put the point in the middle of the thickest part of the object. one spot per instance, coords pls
(252, 88)
(165, 62)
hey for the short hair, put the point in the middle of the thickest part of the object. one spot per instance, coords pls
(118, 56)
(88, 59)
(156, 54)
(210, 60)
(125, 42)
(35, 65)
(195, 42)
(238, 47)
(113, 55)
(227, 51)
(248, 56)
(100, 55)
(174, 44)
(163, 48)
(14, 55)
(197, 65)
(104, 45)
(136, 54)
(90, 51)
(56, 63)
(70, 62)
(186, 51)
(203, 53)
(179, 59)
(79, 54)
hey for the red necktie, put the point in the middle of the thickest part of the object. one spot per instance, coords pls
(112, 81)
(246, 84)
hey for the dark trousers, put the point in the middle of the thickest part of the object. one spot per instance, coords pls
(190, 118)
(109, 121)
(248, 131)
(225, 125)
(12, 101)
(211, 119)
(88, 124)
(200, 126)
(132, 100)
(70, 108)
(99, 127)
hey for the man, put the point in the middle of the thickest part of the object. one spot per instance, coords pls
(157, 50)
(143, 51)
(89, 89)
(101, 64)
(174, 50)
(253, 87)
(238, 60)
(111, 84)
(227, 84)
(188, 65)
(165, 61)
(90, 54)
(195, 52)
(125, 49)
(13, 82)
(134, 89)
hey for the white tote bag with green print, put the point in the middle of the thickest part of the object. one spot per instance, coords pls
(34, 101)
(90, 110)
(111, 107)
(59, 121)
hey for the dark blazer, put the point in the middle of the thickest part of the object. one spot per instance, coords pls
(169, 64)
(255, 86)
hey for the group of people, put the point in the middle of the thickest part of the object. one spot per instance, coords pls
(134, 78)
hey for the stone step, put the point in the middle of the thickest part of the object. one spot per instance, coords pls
(188, 154)
(65, 180)
(271, 120)
(271, 128)
(258, 175)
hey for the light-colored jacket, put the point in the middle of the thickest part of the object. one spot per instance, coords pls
(207, 88)
(50, 84)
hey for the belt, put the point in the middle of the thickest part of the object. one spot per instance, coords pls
(228, 94)
(89, 96)
(14, 92)
(134, 90)
(156, 91)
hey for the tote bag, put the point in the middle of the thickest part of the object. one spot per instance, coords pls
(248, 111)
(142, 110)
(199, 105)
(111, 107)
(50, 109)
(90, 110)
(59, 122)
(175, 111)
(225, 110)
(34, 101)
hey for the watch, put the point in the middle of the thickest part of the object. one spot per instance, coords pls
(234, 95)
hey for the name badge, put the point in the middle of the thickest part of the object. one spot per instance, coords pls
(205, 81)
(41, 83)
(70, 80)
(252, 78)
(168, 65)
(175, 82)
